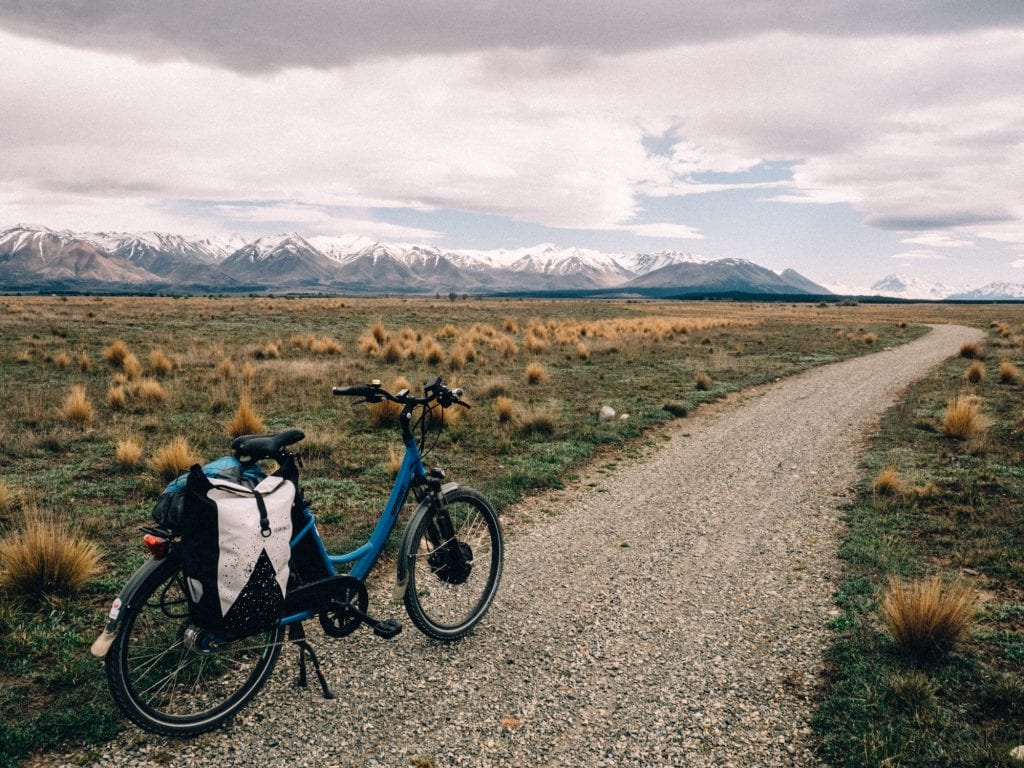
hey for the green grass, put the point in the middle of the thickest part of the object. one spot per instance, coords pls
(966, 708)
(52, 693)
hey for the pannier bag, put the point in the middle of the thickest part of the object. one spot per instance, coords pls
(235, 547)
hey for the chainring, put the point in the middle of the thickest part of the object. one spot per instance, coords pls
(337, 618)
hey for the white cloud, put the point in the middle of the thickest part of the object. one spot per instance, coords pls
(1017, 264)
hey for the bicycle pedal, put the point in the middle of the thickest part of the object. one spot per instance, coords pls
(387, 629)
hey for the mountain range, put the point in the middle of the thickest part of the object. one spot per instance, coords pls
(36, 258)
(41, 259)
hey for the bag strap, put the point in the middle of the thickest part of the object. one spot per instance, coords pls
(264, 517)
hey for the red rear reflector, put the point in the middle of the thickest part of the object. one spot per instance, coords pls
(156, 545)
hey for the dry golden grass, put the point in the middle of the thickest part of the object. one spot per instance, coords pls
(927, 617)
(963, 418)
(62, 360)
(116, 353)
(378, 333)
(702, 380)
(172, 459)
(535, 373)
(971, 350)
(1008, 373)
(159, 363)
(888, 483)
(117, 397)
(504, 409)
(456, 359)
(869, 338)
(150, 393)
(84, 362)
(582, 352)
(975, 372)
(245, 421)
(44, 556)
(77, 408)
(128, 453)
(270, 351)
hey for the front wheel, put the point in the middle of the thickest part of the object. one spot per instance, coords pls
(453, 561)
(168, 677)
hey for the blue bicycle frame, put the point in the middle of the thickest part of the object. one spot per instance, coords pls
(363, 557)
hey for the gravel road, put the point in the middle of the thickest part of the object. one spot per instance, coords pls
(669, 612)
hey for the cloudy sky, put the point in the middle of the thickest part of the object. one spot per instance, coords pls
(847, 140)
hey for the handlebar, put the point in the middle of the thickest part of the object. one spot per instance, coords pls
(434, 391)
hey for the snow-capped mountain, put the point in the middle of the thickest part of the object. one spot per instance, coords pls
(38, 258)
(901, 287)
(998, 291)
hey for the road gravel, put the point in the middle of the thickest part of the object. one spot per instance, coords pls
(669, 611)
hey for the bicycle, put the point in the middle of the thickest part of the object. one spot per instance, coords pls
(173, 678)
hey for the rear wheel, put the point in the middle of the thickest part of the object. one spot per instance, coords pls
(169, 677)
(453, 561)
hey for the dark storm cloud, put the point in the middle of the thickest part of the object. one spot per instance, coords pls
(269, 35)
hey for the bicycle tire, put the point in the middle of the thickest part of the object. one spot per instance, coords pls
(164, 687)
(442, 604)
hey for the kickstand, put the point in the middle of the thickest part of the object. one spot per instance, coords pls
(297, 635)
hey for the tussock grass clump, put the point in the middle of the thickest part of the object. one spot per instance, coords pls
(971, 350)
(394, 461)
(494, 387)
(62, 360)
(128, 453)
(132, 367)
(887, 483)
(537, 421)
(245, 421)
(963, 419)
(869, 338)
(159, 363)
(378, 333)
(535, 373)
(927, 617)
(1008, 373)
(84, 362)
(702, 380)
(117, 397)
(325, 346)
(116, 353)
(504, 409)
(150, 392)
(44, 556)
(975, 372)
(172, 459)
(392, 353)
(582, 352)
(77, 408)
(433, 354)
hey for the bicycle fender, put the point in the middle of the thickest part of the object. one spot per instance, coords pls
(125, 596)
(402, 577)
